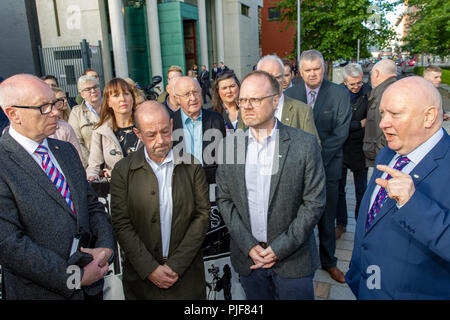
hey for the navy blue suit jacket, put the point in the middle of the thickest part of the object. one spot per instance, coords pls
(332, 115)
(410, 245)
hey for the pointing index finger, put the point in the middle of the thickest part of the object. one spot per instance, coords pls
(393, 172)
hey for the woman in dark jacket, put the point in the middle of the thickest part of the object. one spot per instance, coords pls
(224, 101)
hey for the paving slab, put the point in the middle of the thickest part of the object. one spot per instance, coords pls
(341, 293)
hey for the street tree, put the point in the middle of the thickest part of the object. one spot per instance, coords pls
(334, 26)
(428, 25)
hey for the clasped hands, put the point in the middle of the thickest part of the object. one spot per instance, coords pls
(262, 258)
(400, 187)
(98, 267)
(163, 277)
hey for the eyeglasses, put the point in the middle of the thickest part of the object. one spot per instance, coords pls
(356, 84)
(254, 102)
(188, 94)
(94, 88)
(46, 108)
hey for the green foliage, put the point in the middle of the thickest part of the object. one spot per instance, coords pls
(333, 26)
(429, 22)
(445, 73)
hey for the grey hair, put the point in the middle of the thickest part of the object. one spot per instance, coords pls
(311, 55)
(83, 79)
(352, 70)
(272, 57)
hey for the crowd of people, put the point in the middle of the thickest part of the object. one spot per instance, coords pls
(277, 147)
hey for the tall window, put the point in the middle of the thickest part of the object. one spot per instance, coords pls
(245, 10)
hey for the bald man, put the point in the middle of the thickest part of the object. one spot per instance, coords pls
(160, 214)
(402, 237)
(383, 74)
(47, 207)
(198, 130)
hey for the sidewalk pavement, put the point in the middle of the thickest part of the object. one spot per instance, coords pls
(325, 288)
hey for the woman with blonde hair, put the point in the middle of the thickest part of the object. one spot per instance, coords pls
(113, 138)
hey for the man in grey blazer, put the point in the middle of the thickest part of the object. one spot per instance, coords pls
(45, 201)
(332, 116)
(271, 193)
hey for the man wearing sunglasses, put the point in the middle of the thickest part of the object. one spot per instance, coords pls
(48, 209)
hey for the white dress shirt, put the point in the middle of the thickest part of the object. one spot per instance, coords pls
(163, 172)
(279, 109)
(415, 156)
(258, 173)
(30, 147)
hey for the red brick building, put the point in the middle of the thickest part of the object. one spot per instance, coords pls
(275, 38)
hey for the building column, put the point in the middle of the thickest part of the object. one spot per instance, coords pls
(203, 36)
(153, 34)
(118, 38)
(219, 30)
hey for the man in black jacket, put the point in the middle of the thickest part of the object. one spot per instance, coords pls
(353, 154)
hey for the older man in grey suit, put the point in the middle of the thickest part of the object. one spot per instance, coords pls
(47, 208)
(271, 198)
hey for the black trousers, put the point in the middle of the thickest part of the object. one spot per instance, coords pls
(205, 92)
(327, 234)
(360, 179)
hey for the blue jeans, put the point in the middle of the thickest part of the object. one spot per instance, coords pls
(265, 284)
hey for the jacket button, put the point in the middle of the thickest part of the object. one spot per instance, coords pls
(154, 220)
(153, 193)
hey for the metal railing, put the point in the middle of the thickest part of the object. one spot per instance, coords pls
(68, 63)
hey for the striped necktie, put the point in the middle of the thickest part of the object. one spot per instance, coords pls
(55, 176)
(382, 193)
(313, 98)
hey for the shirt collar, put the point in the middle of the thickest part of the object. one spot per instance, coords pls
(308, 89)
(29, 145)
(421, 151)
(155, 165)
(281, 102)
(271, 136)
(91, 108)
(185, 118)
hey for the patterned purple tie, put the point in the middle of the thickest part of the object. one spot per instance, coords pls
(382, 193)
(55, 176)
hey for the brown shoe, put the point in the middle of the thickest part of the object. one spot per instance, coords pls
(339, 231)
(336, 274)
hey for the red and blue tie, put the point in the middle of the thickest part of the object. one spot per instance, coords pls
(55, 176)
(382, 193)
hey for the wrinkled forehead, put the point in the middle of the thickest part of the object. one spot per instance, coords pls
(185, 85)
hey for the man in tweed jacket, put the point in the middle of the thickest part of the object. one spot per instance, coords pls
(271, 193)
(37, 223)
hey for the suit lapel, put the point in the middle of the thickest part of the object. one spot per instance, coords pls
(75, 184)
(241, 184)
(288, 114)
(280, 154)
(321, 97)
(418, 174)
(32, 169)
